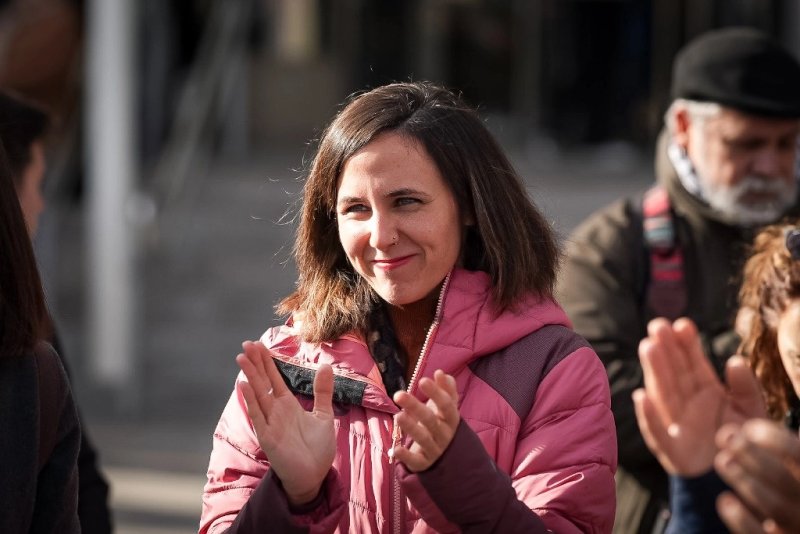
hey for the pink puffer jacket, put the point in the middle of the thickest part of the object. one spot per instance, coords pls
(535, 450)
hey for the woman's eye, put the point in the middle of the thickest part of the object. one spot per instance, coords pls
(406, 201)
(354, 208)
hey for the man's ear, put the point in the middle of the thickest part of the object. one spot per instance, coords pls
(682, 123)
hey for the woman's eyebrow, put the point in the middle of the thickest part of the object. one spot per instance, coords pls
(404, 191)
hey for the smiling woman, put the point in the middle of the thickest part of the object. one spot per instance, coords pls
(399, 224)
(425, 378)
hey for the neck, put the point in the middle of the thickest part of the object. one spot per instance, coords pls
(411, 323)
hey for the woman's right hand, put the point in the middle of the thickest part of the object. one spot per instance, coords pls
(300, 445)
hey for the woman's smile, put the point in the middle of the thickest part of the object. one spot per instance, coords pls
(391, 264)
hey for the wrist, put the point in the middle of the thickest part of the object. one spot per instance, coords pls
(299, 499)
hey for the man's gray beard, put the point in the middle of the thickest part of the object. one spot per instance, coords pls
(727, 199)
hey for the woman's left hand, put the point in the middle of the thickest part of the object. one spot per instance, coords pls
(431, 425)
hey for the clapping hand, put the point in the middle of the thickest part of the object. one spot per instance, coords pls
(300, 445)
(760, 461)
(683, 403)
(431, 425)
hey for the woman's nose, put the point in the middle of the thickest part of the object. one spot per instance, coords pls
(382, 232)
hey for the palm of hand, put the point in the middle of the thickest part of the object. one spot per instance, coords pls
(683, 402)
(691, 433)
(299, 444)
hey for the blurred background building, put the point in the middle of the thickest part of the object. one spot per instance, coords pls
(182, 128)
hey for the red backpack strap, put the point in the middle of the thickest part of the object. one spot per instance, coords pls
(666, 288)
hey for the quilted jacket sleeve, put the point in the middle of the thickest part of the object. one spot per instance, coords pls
(563, 475)
(241, 494)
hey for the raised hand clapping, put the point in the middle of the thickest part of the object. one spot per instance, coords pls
(300, 445)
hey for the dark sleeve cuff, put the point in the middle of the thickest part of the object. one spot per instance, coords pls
(470, 491)
(693, 504)
(268, 508)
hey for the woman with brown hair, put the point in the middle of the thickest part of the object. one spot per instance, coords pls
(425, 379)
(41, 434)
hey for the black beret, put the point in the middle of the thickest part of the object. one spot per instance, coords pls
(741, 68)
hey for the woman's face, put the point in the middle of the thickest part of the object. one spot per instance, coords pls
(398, 222)
(789, 342)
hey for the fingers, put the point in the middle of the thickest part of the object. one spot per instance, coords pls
(258, 383)
(661, 379)
(694, 361)
(773, 437)
(444, 395)
(743, 387)
(761, 477)
(653, 429)
(264, 356)
(432, 425)
(446, 382)
(323, 390)
(736, 515)
(252, 404)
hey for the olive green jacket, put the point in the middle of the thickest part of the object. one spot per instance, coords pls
(602, 288)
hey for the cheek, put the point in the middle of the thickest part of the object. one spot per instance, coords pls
(350, 237)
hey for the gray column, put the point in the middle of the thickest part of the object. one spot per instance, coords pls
(110, 179)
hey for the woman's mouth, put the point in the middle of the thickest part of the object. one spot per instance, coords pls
(389, 264)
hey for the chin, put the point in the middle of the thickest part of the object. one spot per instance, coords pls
(397, 298)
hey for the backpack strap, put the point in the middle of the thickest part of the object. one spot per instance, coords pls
(50, 389)
(666, 294)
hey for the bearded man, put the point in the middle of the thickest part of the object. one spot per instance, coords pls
(726, 163)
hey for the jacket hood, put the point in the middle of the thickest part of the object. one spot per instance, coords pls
(471, 326)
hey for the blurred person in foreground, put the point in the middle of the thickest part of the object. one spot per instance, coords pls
(39, 429)
(725, 165)
(703, 431)
(425, 379)
(23, 128)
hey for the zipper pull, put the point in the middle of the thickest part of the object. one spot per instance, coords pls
(396, 437)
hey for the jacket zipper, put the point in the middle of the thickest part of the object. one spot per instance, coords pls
(397, 436)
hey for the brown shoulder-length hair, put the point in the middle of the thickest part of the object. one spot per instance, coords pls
(509, 238)
(771, 280)
(23, 316)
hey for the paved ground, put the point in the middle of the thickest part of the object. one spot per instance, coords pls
(208, 275)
